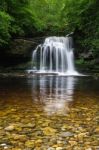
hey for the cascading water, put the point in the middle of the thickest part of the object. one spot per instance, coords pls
(55, 55)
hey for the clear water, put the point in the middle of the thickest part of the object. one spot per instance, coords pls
(46, 110)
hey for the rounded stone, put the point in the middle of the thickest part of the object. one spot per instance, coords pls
(10, 128)
(59, 148)
(38, 143)
(51, 148)
(72, 143)
(29, 143)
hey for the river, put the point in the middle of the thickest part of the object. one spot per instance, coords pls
(49, 112)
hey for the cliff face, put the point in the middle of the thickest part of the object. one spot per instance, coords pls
(19, 52)
(18, 55)
(22, 48)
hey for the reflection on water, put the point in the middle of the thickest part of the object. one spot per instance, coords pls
(54, 92)
(25, 125)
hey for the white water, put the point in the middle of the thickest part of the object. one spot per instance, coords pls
(55, 55)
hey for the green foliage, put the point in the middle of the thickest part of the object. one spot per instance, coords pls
(80, 61)
(15, 19)
(29, 17)
(4, 27)
(47, 14)
(88, 27)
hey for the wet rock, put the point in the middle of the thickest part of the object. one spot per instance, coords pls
(22, 46)
(96, 147)
(61, 143)
(21, 145)
(88, 119)
(55, 146)
(29, 125)
(80, 136)
(87, 143)
(2, 133)
(53, 141)
(38, 143)
(13, 110)
(77, 148)
(46, 124)
(30, 144)
(1, 128)
(4, 146)
(39, 133)
(10, 128)
(64, 127)
(49, 131)
(96, 130)
(22, 138)
(72, 143)
(66, 134)
(51, 148)
(16, 148)
(89, 148)
(59, 148)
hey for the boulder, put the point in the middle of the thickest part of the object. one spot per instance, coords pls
(22, 47)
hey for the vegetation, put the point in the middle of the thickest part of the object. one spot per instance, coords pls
(28, 18)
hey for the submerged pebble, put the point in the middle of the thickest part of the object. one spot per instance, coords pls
(25, 124)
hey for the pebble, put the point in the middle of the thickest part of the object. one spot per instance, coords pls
(72, 143)
(51, 148)
(3, 144)
(29, 143)
(38, 142)
(10, 128)
(36, 130)
(89, 149)
(59, 148)
(96, 130)
(66, 134)
(5, 147)
(49, 131)
(22, 138)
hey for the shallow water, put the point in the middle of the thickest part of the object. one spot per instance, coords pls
(48, 113)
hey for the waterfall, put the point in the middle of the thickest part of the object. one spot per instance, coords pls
(55, 55)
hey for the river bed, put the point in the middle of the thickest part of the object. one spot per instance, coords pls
(49, 113)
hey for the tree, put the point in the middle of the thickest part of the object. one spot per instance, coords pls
(20, 18)
(5, 22)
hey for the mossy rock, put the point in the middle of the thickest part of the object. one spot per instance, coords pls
(22, 47)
